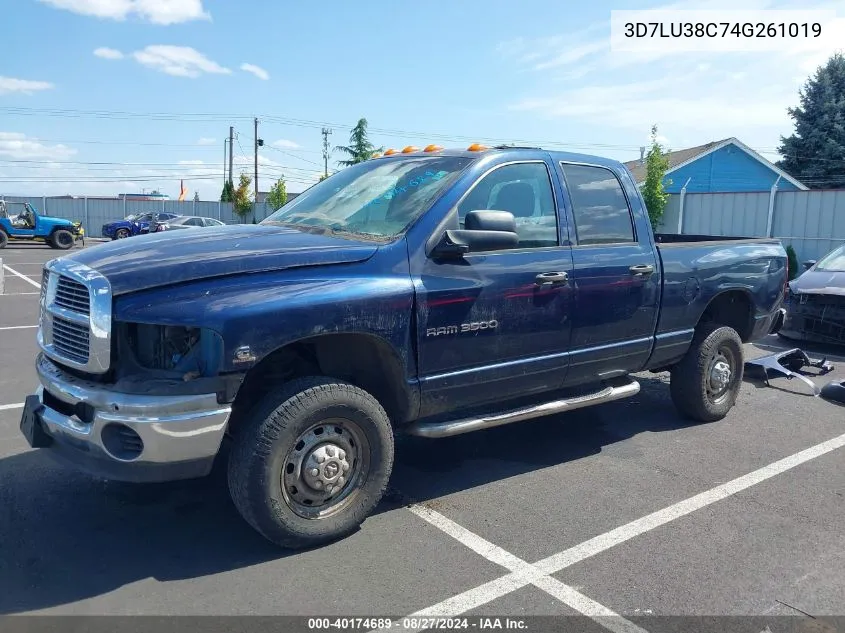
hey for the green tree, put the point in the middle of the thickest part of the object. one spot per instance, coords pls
(815, 153)
(228, 194)
(359, 148)
(243, 198)
(278, 195)
(653, 189)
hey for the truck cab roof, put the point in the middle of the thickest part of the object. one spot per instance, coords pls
(508, 152)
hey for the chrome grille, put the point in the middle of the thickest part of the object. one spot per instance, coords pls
(72, 295)
(76, 311)
(71, 339)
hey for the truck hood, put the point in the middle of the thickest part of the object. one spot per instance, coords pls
(820, 282)
(161, 259)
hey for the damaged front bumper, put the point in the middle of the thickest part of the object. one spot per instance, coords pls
(815, 317)
(126, 437)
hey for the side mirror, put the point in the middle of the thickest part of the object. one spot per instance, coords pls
(483, 231)
(809, 264)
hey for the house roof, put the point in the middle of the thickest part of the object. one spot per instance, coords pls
(683, 157)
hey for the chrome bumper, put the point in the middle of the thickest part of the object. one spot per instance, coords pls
(125, 436)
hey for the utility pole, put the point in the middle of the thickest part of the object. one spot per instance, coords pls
(326, 132)
(258, 143)
(231, 151)
(224, 162)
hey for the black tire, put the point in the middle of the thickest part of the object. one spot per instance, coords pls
(62, 239)
(121, 234)
(694, 392)
(279, 438)
(4, 239)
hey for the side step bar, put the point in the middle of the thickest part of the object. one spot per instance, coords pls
(455, 427)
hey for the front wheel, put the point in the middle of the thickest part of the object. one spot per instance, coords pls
(706, 382)
(310, 462)
(4, 239)
(121, 234)
(62, 239)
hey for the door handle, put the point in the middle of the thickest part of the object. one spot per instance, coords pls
(544, 279)
(642, 270)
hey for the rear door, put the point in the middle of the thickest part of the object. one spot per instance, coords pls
(488, 328)
(616, 274)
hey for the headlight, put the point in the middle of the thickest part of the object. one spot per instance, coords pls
(174, 348)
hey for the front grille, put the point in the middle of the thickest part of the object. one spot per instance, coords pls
(71, 339)
(73, 296)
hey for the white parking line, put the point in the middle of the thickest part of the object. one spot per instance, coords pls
(529, 573)
(17, 327)
(483, 594)
(16, 294)
(22, 276)
(9, 407)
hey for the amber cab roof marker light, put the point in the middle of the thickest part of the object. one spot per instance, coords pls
(476, 147)
(410, 149)
(389, 152)
(432, 148)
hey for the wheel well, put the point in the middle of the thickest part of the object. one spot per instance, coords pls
(360, 359)
(732, 308)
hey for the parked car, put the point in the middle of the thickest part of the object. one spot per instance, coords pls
(430, 293)
(134, 224)
(187, 222)
(29, 225)
(815, 303)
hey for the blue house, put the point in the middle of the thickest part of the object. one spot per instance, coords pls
(724, 166)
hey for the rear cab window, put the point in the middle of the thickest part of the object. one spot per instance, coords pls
(600, 208)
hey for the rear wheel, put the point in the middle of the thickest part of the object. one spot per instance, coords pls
(62, 239)
(706, 383)
(311, 462)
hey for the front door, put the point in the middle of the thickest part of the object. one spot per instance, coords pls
(488, 327)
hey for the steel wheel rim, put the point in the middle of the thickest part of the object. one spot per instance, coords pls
(721, 372)
(338, 450)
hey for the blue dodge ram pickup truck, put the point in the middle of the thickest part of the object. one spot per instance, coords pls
(430, 292)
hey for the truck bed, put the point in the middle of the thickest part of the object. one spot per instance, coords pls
(673, 238)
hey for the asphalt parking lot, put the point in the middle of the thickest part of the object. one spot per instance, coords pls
(623, 509)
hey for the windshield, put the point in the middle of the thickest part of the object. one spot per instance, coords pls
(833, 261)
(377, 197)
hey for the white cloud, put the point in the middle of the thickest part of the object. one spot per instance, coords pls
(19, 146)
(256, 70)
(206, 141)
(108, 53)
(179, 61)
(617, 90)
(163, 12)
(25, 86)
(283, 142)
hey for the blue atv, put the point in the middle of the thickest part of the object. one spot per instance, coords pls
(29, 225)
(135, 224)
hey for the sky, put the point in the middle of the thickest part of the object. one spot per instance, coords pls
(101, 97)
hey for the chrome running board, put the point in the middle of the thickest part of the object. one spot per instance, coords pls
(456, 427)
